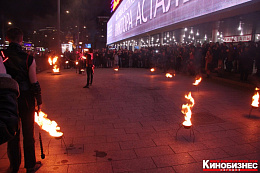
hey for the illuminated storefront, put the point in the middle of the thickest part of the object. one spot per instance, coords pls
(161, 22)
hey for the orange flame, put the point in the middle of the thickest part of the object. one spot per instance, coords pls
(186, 109)
(168, 75)
(54, 60)
(46, 124)
(56, 69)
(50, 61)
(197, 82)
(152, 70)
(255, 99)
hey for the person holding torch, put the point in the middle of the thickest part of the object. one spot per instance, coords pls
(90, 68)
(22, 68)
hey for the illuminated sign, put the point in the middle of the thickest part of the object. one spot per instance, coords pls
(240, 38)
(87, 46)
(114, 4)
(134, 17)
(66, 47)
(27, 44)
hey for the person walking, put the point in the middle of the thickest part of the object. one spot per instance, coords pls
(22, 68)
(90, 68)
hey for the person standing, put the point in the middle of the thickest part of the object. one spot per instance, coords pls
(245, 63)
(209, 59)
(230, 57)
(90, 68)
(22, 68)
(9, 91)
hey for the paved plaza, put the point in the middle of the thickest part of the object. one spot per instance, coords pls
(127, 122)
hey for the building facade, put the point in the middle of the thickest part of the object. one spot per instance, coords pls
(145, 23)
(101, 33)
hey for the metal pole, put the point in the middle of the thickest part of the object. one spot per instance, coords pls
(59, 46)
(40, 139)
(3, 30)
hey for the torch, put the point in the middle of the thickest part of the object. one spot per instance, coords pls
(55, 66)
(40, 139)
(49, 126)
(76, 64)
(67, 64)
(197, 82)
(116, 69)
(168, 75)
(186, 110)
(255, 101)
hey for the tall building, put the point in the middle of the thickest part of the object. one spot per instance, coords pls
(45, 37)
(101, 33)
(154, 23)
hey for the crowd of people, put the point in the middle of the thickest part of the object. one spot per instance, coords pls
(18, 77)
(192, 59)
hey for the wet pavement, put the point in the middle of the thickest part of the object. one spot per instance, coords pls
(130, 121)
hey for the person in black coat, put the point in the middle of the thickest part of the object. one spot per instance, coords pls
(22, 68)
(245, 63)
(9, 91)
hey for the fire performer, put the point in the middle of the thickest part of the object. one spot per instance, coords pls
(22, 68)
(90, 68)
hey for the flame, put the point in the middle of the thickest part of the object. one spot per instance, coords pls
(152, 70)
(186, 109)
(56, 69)
(46, 124)
(54, 60)
(255, 99)
(168, 75)
(116, 69)
(197, 82)
(50, 61)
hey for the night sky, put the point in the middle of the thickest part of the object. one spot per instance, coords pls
(30, 15)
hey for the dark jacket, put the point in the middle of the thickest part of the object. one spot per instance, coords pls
(18, 65)
(9, 121)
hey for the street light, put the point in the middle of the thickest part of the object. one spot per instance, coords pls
(5, 25)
